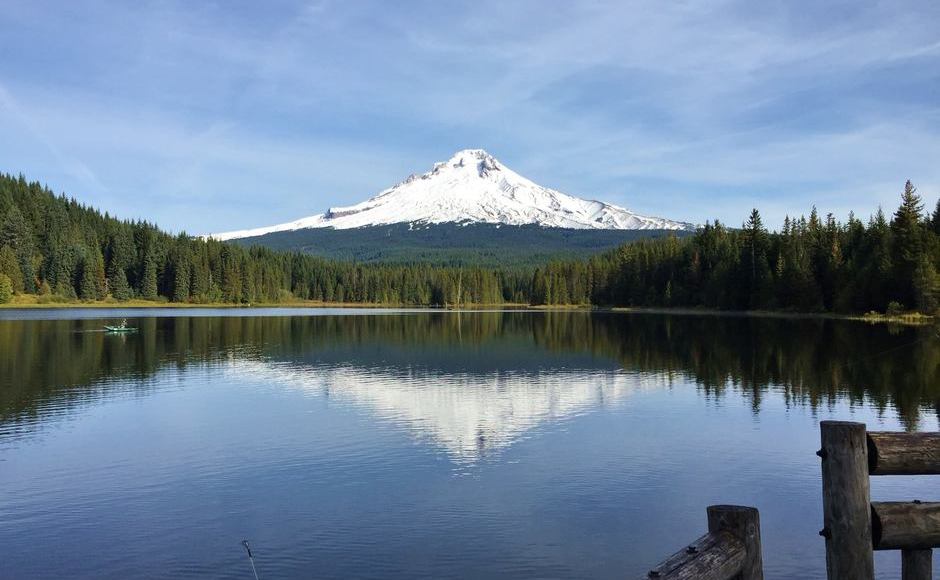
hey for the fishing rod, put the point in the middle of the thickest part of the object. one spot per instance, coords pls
(250, 558)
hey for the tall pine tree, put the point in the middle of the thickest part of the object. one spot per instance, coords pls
(935, 220)
(907, 249)
(10, 267)
(6, 289)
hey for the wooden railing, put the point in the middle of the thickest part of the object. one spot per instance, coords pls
(730, 549)
(854, 526)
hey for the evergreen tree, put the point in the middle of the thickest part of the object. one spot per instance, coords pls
(98, 272)
(16, 233)
(181, 278)
(877, 275)
(119, 257)
(6, 289)
(926, 284)
(10, 267)
(117, 282)
(58, 268)
(935, 220)
(148, 284)
(907, 244)
(754, 260)
(88, 286)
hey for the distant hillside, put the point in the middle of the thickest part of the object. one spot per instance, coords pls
(452, 244)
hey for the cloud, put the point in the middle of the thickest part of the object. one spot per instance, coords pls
(27, 124)
(225, 116)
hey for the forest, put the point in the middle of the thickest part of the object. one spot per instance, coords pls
(813, 264)
(453, 244)
(64, 251)
(54, 247)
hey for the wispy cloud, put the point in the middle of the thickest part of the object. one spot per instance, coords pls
(70, 164)
(228, 116)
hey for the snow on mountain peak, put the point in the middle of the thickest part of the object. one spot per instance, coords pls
(472, 187)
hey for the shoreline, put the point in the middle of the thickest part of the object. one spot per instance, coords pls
(910, 319)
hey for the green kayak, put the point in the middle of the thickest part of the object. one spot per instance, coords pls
(120, 329)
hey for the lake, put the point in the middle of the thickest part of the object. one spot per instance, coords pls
(422, 444)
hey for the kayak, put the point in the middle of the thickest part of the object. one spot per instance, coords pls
(120, 329)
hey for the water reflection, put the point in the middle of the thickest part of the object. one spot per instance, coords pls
(332, 441)
(474, 381)
(468, 415)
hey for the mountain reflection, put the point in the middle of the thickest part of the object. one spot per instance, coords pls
(469, 415)
(475, 381)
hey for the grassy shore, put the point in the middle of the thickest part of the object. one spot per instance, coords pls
(907, 318)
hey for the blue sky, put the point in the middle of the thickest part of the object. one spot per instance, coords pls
(209, 116)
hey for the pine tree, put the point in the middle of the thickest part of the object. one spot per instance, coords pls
(117, 283)
(10, 267)
(878, 272)
(755, 261)
(926, 285)
(59, 266)
(181, 277)
(120, 255)
(148, 283)
(101, 282)
(935, 220)
(539, 293)
(15, 232)
(247, 285)
(88, 286)
(6, 289)
(907, 244)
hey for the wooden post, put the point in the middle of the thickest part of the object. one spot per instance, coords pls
(744, 524)
(905, 525)
(916, 564)
(904, 453)
(711, 557)
(846, 497)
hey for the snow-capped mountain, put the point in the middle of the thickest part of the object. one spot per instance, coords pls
(472, 187)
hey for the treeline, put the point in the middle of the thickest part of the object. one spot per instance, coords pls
(814, 264)
(61, 250)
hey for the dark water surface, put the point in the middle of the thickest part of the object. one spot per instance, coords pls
(364, 444)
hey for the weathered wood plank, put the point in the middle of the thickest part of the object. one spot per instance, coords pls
(903, 453)
(905, 525)
(846, 496)
(916, 564)
(744, 524)
(717, 556)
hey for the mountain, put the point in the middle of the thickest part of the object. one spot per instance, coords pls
(471, 209)
(472, 187)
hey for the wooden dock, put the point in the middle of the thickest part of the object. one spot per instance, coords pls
(853, 526)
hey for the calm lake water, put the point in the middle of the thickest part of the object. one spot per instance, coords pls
(369, 444)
